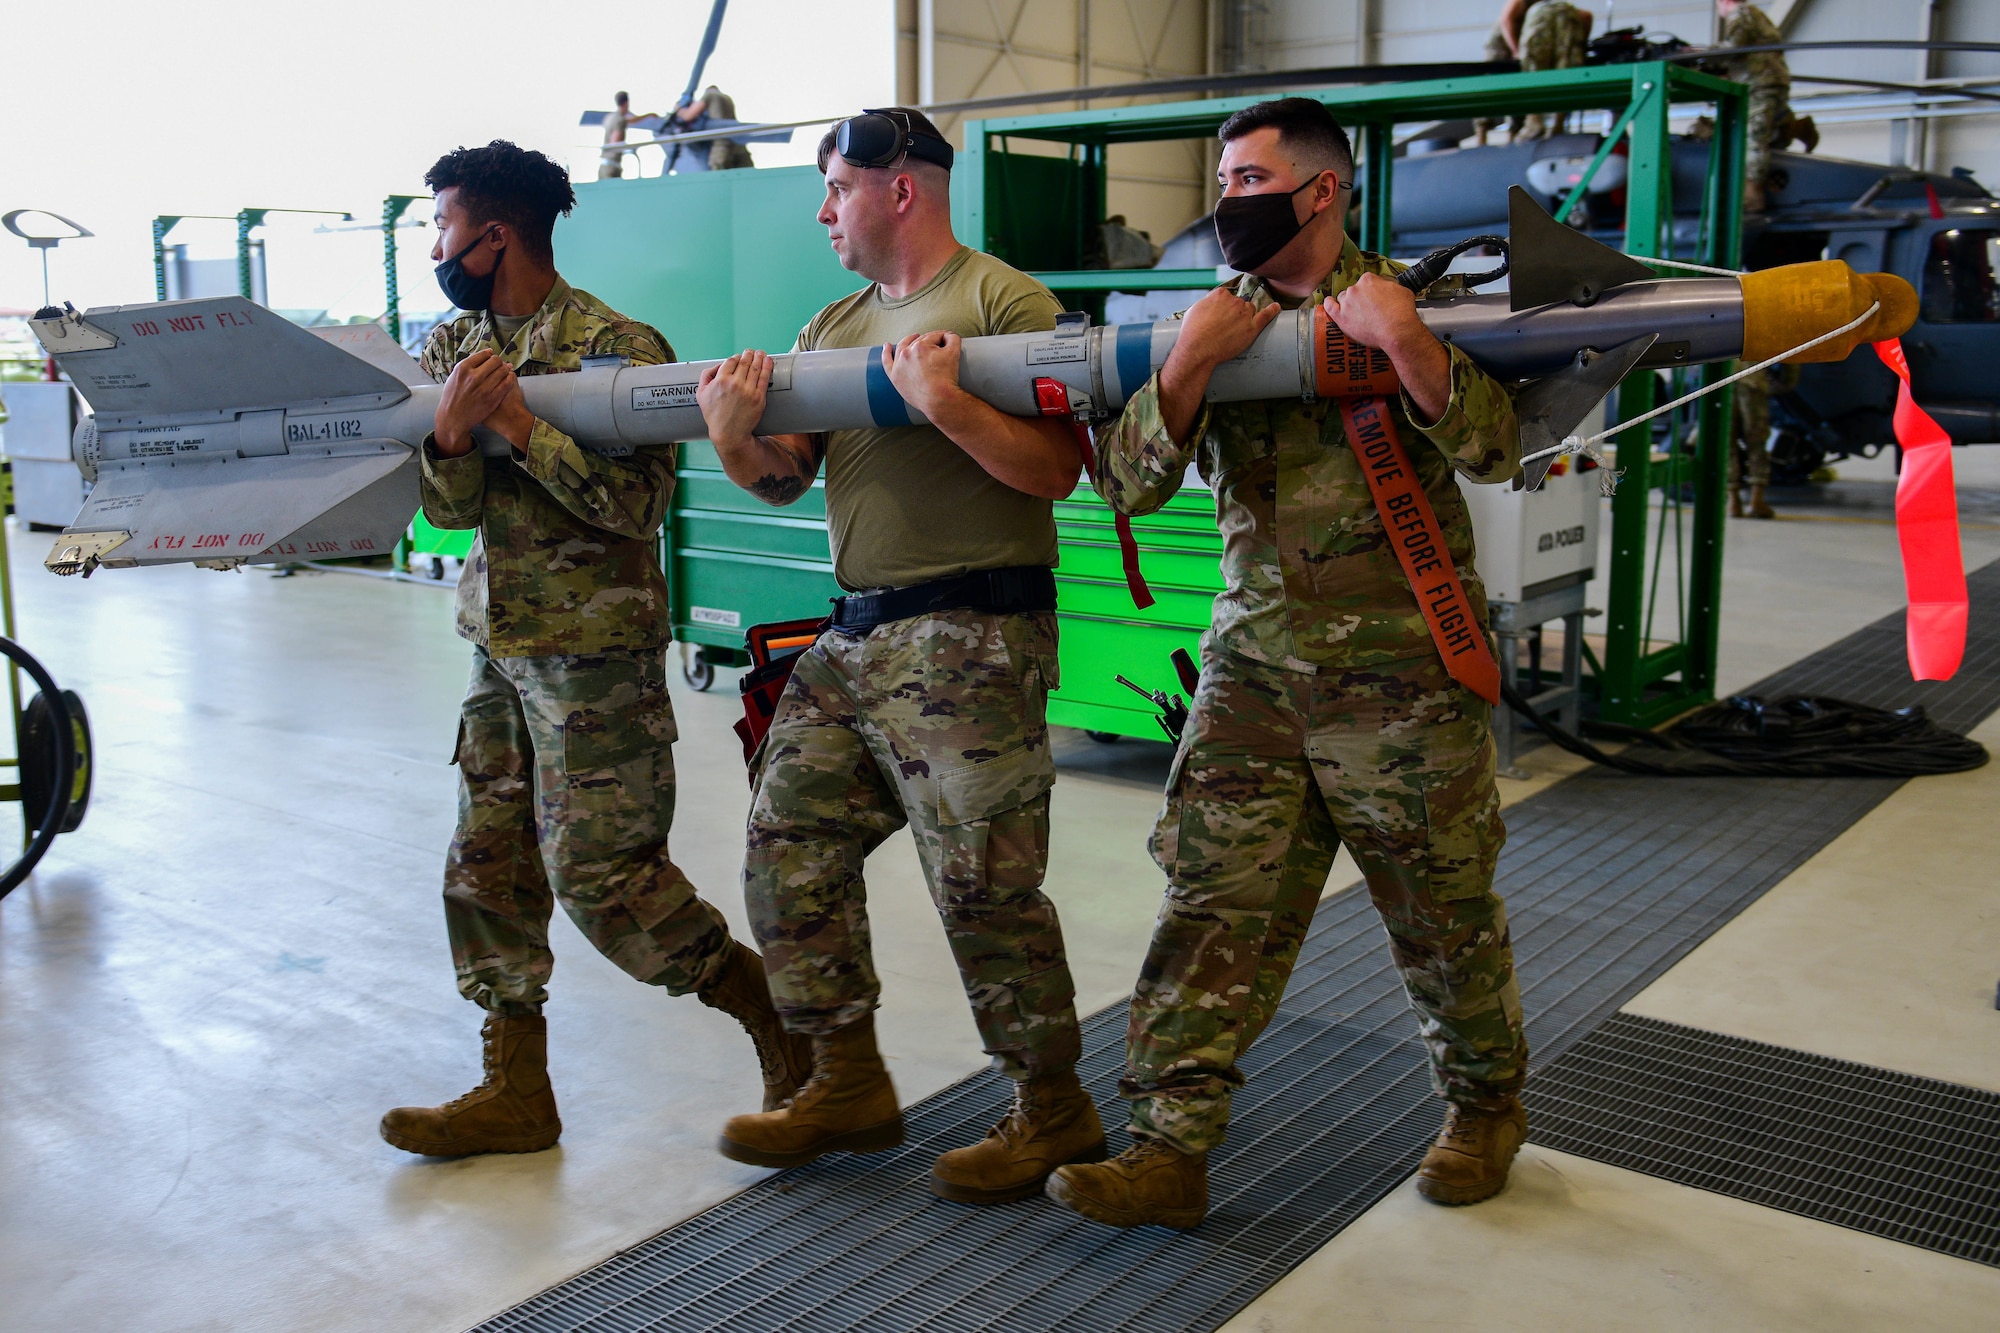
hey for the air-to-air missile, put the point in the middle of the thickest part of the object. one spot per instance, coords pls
(223, 434)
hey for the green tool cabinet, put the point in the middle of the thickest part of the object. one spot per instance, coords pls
(1103, 634)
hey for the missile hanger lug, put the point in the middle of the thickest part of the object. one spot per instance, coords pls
(82, 552)
(66, 331)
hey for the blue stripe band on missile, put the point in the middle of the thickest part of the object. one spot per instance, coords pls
(1134, 357)
(884, 403)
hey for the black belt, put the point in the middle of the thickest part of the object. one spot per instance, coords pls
(1017, 588)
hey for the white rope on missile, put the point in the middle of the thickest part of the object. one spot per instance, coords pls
(1588, 446)
(1692, 268)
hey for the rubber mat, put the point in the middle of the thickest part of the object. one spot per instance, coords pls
(1913, 1159)
(1609, 881)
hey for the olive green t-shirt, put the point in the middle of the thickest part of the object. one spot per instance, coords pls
(904, 504)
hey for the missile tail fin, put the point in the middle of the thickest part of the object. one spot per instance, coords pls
(1549, 409)
(209, 354)
(372, 343)
(1550, 262)
(353, 499)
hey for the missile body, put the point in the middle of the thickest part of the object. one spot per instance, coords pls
(223, 434)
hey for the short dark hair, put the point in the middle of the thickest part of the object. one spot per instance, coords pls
(622, 98)
(919, 124)
(1305, 128)
(503, 182)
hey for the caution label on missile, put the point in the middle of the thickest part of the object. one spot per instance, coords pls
(653, 396)
(1057, 350)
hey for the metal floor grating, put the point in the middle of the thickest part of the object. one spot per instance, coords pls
(1609, 881)
(1913, 1159)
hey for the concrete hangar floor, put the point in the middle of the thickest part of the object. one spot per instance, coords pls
(209, 994)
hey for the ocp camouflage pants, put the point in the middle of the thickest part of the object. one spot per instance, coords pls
(1277, 769)
(1496, 50)
(566, 795)
(939, 722)
(1554, 34)
(1749, 451)
(1770, 107)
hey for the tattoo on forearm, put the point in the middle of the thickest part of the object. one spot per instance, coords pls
(773, 489)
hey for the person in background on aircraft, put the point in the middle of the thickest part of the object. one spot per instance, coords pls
(715, 154)
(1503, 44)
(1769, 80)
(565, 742)
(925, 704)
(1327, 712)
(611, 163)
(1554, 35)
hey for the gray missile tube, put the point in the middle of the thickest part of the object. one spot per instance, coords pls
(614, 409)
(1699, 320)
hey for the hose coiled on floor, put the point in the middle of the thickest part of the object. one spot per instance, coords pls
(1793, 736)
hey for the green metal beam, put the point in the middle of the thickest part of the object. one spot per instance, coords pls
(1128, 279)
(161, 226)
(1648, 208)
(1376, 169)
(393, 209)
(1590, 88)
(1722, 248)
(246, 220)
(1604, 151)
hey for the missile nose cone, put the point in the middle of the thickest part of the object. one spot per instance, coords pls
(1793, 304)
(1899, 307)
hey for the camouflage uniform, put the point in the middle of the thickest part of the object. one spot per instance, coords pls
(1324, 716)
(564, 742)
(1553, 36)
(724, 154)
(1496, 50)
(611, 160)
(1770, 81)
(940, 722)
(1753, 430)
(1753, 422)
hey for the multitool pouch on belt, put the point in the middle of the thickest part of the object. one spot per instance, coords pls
(774, 650)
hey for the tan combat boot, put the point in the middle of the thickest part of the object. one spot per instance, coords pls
(848, 1105)
(1053, 1122)
(742, 991)
(1759, 507)
(1151, 1183)
(512, 1110)
(1736, 502)
(1473, 1151)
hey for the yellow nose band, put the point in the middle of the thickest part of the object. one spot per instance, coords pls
(1783, 307)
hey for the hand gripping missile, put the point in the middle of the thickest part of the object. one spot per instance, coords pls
(224, 435)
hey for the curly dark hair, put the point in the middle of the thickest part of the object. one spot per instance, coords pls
(1306, 129)
(504, 182)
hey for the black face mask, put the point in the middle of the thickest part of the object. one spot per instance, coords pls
(465, 290)
(1251, 228)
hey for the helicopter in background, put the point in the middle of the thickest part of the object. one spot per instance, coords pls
(1940, 231)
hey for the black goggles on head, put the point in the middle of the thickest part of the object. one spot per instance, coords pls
(883, 138)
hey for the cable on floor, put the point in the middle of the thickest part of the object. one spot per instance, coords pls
(1793, 736)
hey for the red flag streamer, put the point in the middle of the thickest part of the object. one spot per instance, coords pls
(1927, 528)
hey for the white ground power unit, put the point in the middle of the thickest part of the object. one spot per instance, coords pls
(41, 418)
